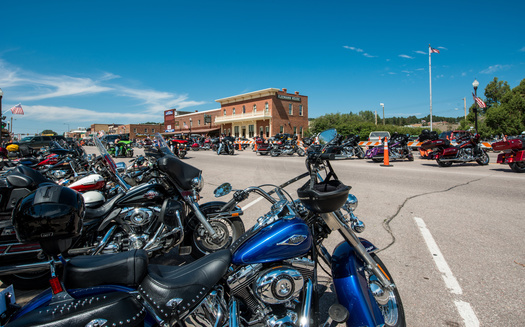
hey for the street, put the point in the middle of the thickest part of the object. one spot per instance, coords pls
(451, 237)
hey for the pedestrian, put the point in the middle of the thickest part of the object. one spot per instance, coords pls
(117, 147)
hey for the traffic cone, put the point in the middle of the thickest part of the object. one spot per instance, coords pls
(386, 160)
(240, 146)
(255, 147)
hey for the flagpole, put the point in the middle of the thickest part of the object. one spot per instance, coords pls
(430, 82)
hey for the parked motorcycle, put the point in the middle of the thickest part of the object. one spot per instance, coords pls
(397, 149)
(263, 146)
(179, 148)
(267, 277)
(345, 148)
(226, 146)
(513, 153)
(468, 149)
(132, 220)
(288, 147)
(125, 149)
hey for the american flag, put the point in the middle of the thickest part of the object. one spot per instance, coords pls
(480, 102)
(432, 50)
(17, 110)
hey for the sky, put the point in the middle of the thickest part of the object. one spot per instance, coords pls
(74, 63)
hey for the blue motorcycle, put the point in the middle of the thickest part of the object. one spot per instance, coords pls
(268, 277)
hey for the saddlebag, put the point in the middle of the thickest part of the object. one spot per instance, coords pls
(427, 145)
(514, 144)
(450, 152)
(110, 309)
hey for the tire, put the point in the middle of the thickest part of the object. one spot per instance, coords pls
(392, 310)
(360, 153)
(484, 159)
(196, 236)
(301, 152)
(377, 160)
(129, 153)
(182, 155)
(28, 281)
(518, 167)
(275, 153)
(231, 151)
(444, 163)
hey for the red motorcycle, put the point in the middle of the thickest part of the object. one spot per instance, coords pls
(468, 149)
(513, 154)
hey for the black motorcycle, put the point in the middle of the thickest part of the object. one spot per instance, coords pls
(347, 147)
(226, 146)
(288, 147)
(132, 220)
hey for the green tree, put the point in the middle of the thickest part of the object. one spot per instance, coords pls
(494, 93)
(48, 131)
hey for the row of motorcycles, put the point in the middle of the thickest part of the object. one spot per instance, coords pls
(264, 276)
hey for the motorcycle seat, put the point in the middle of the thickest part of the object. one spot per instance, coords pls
(94, 213)
(189, 283)
(126, 268)
(23, 176)
(181, 172)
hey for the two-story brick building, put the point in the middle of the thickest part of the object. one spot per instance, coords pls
(267, 112)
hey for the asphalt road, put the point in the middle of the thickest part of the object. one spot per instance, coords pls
(451, 237)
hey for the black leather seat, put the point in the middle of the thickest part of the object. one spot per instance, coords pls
(189, 283)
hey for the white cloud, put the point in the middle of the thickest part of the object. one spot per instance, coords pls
(53, 114)
(359, 51)
(406, 56)
(522, 49)
(421, 52)
(495, 68)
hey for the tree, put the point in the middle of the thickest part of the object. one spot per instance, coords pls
(507, 112)
(48, 131)
(494, 93)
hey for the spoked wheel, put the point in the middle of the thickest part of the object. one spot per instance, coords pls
(129, 153)
(231, 151)
(483, 159)
(377, 160)
(275, 153)
(389, 301)
(444, 163)
(518, 167)
(360, 153)
(301, 152)
(229, 230)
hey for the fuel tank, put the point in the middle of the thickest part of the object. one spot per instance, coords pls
(143, 195)
(284, 239)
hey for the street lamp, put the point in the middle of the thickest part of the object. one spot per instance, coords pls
(67, 129)
(383, 105)
(475, 84)
(1, 95)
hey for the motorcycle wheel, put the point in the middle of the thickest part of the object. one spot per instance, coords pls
(484, 159)
(28, 281)
(274, 153)
(360, 153)
(230, 230)
(392, 309)
(231, 151)
(301, 152)
(518, 167)
(444, 163)
(377, 160)
(129, 153)
(182, 155)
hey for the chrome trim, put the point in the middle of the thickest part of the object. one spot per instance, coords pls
(294, 240)
(304, 321)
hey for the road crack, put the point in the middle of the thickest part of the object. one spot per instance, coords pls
(386, 222)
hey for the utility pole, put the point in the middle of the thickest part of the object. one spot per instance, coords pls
(383, 105)
(465, 106)
(376, 116)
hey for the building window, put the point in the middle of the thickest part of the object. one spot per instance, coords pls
(301, 131)
(261, 131)
(267, 131)
(266, 108)
(295, 131)
(254, 108)
(135, 130)
(236, 131)
(234, 110)
(243, 109)
(300, 110)
(224, 112)
(290, 109)
(153, 130)
(199, 122)
(281, 129)
(251, 131)
(145, 130)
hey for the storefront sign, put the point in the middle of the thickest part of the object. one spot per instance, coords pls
(169, 113)
(169, 131)
(287, 97)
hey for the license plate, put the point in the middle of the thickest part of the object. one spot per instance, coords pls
(4, 297)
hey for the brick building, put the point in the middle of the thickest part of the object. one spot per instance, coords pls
(139, 131)
(267, 112)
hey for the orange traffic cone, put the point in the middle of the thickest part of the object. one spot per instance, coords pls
(386, 159)
(240, 146)
(255, 147)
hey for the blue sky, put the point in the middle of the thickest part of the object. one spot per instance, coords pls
(74, 63)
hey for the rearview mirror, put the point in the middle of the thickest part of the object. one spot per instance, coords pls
(223, 190)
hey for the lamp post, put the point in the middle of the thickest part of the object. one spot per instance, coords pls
(67, 129)
(475, 84)
(383, 105)
(1, 95)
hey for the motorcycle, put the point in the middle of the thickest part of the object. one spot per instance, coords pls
(288, 147)
(345, 148)
(226, 146)
(263, 146)
(125, 149)
(267, 277)
(513, 153)
(132, 220)
(397, 149)
(179, 148)
(468, 149)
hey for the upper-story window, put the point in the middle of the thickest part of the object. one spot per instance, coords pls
(224, 112)
(290, 109)
(145, 130)
(254, 108)
(266, 107)
(234, 110)
(243, 109)
(300, 110)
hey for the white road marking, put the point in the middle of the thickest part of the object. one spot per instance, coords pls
(464, 308)
(244, 208)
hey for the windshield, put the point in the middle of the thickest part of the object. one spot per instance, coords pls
(163, 146)
(26, 139)
(110, 163)
(381, 134)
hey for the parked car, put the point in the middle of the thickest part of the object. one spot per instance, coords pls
(378, 136)
(109, 139)
(37, 141)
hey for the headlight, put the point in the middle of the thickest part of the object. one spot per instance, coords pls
(351, 202)
(197, 183)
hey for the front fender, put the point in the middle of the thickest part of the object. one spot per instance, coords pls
(351, 286)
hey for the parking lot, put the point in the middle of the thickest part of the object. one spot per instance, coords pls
(451, 237)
